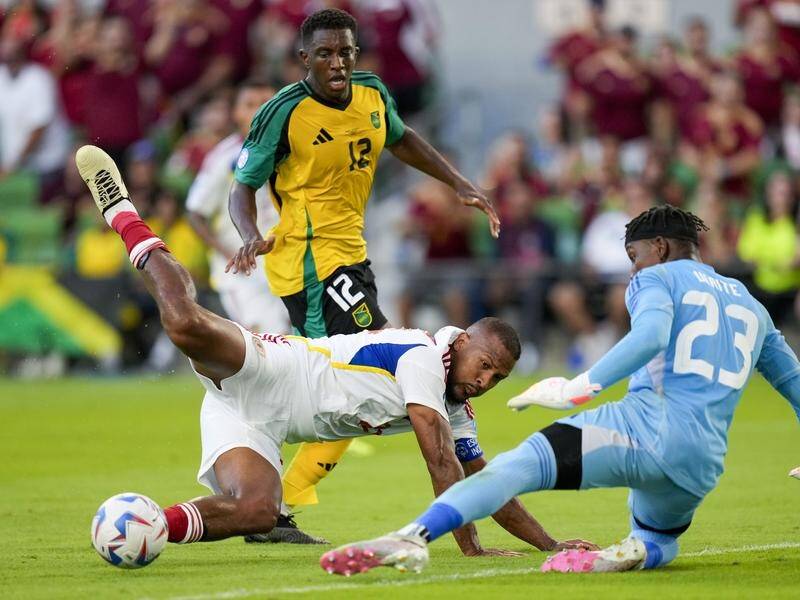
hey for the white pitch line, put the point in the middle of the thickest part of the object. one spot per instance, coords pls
(756, 548)
(414, 580)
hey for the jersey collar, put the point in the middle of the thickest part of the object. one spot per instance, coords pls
(444, 339)
(337, 105)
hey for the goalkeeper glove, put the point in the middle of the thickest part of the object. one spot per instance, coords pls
(557, 392)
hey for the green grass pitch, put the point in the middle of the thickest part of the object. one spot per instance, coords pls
(69, 444)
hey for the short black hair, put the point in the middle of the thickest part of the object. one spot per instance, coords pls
(329, 18)
(504, 332)
(665, 221)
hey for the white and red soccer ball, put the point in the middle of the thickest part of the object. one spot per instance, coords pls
(129, 530)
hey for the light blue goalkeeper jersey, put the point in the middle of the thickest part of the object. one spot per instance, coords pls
(695, 339)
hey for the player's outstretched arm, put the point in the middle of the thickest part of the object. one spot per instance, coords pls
(521, 524)
(436, 444)
(650, 305)
(780, 367)
(244, 213)
(413, 150)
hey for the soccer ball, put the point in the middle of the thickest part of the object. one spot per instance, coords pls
(129, 530)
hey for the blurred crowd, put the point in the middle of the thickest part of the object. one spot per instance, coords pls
(639, 122)
(153, 82)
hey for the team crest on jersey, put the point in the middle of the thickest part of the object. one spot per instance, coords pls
(362, 316)
(375, 117)
(243, 156)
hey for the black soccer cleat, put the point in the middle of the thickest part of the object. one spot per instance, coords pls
(285, 531)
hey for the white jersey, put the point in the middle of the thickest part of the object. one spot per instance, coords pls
(362, 383)
(295, 389)
(208, 196)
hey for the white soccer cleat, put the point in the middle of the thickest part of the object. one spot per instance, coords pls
(627, 555)
(404, 553)
(101, 174)
(795, 473)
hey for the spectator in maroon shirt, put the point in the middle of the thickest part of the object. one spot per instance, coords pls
(765, 67)
(524, 251)
(67, 50)
(567, 53)
(115, 114)
(508, 163)
(724, 139)
(439, 223)
(234, 41)
(184, 52)
(619, 88)
(681, 79)
(139, 14)
(785, 13)
(402, 36)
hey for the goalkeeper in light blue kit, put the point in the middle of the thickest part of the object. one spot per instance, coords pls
(695, 339)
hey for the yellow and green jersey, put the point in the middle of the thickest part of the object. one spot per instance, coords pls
(320, 160)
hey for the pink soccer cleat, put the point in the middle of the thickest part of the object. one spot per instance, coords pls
(393, 550)
(628, 555)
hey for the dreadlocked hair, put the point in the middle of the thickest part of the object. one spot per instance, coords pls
(665, 221)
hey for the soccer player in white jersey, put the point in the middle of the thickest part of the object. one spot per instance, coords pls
(695, 339)
(246, 300)
(263, 390)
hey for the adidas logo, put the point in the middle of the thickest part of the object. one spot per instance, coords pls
(327, 466)
(322, 137)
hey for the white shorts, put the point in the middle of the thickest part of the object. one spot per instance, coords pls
(249, 302)
(254, 407)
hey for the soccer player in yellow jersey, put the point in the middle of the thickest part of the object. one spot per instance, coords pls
(317, 143)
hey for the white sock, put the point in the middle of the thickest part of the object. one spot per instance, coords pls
(414, 530)
(119, 207)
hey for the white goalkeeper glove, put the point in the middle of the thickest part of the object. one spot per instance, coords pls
(557, 392)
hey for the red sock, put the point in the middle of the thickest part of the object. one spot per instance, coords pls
(138, 237)
(184, 522)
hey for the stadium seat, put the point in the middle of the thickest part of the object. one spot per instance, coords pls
(18, 190)
(33, 234)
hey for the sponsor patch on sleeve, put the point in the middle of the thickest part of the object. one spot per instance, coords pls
(468, 449)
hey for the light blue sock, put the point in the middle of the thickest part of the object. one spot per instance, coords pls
(661, 547)
(529, 467)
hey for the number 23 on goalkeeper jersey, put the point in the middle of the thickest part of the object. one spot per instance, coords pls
(320, 160)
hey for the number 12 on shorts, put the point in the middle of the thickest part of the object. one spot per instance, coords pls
(343, 297)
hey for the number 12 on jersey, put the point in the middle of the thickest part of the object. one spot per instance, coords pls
(742, 342)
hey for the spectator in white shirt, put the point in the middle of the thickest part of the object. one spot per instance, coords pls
(33, 132)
